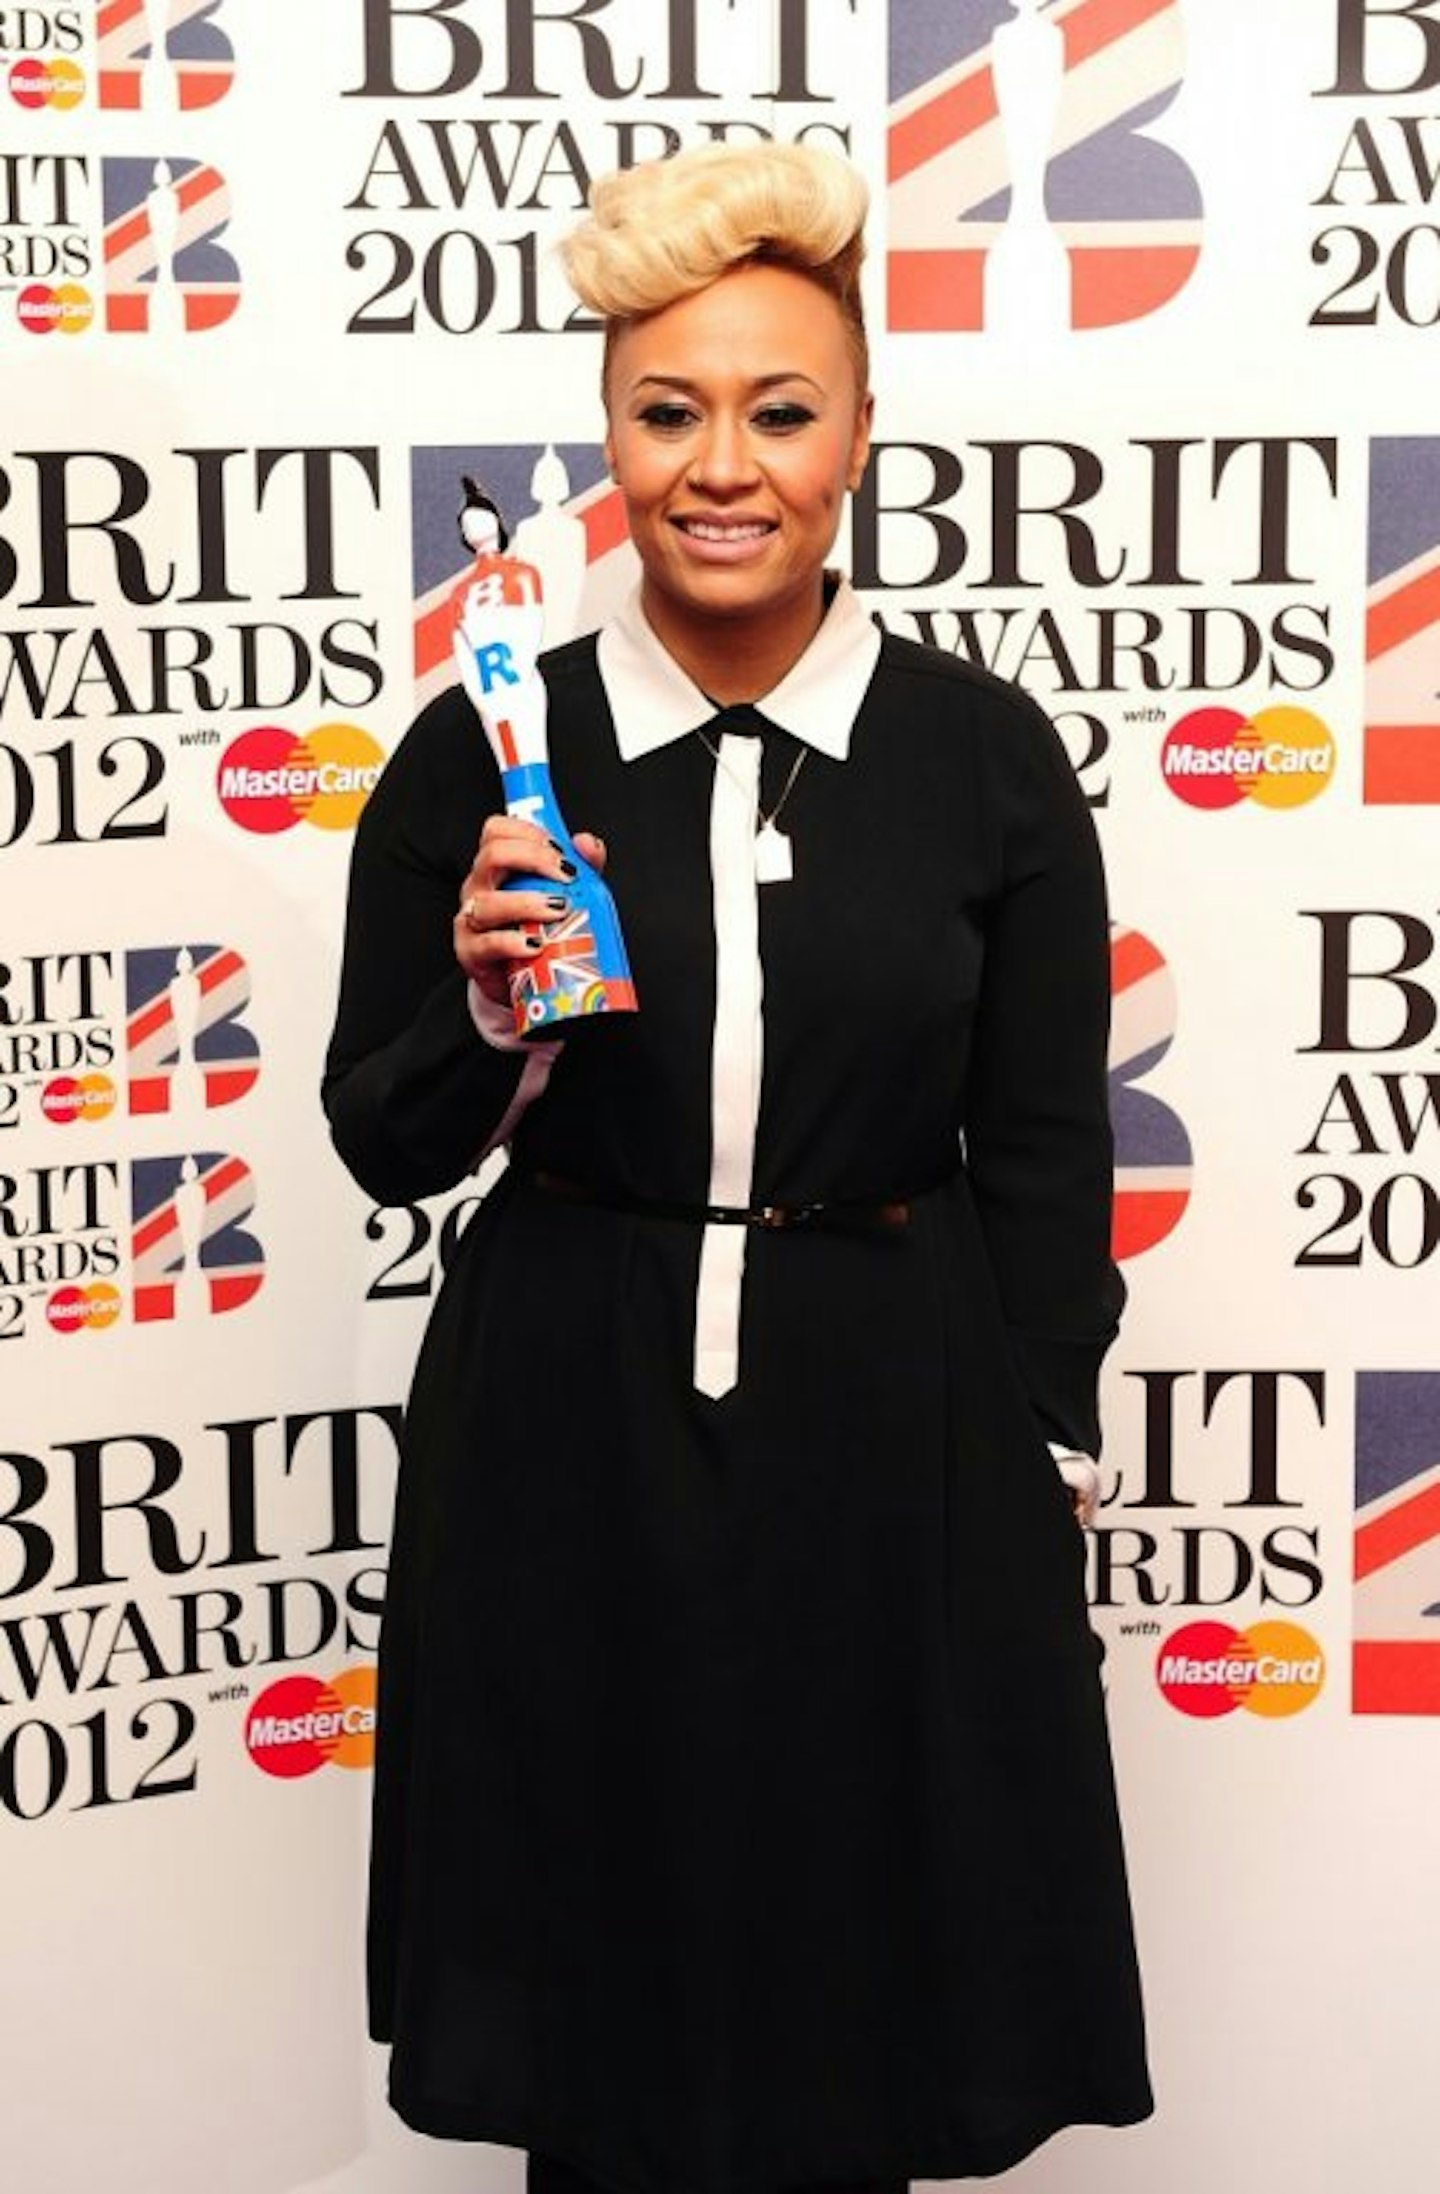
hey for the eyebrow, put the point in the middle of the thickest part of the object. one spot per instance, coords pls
(693, 388)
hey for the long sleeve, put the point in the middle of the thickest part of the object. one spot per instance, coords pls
(1037, 1132)
(412, 1091)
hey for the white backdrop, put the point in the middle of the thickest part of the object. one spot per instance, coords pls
(1157, 433)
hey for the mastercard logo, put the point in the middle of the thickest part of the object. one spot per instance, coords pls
(1280, 758)
(36, 84)
(67, 310)
(1271, 1669)
(301, 1723)
(83, 1309)
(92, 1097)
(269, 779)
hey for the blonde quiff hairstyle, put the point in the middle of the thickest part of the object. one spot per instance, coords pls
(667, 228)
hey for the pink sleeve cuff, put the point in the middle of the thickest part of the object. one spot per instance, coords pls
(496, 1023)
(496, 1026)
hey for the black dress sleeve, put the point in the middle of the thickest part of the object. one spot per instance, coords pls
(412, 1091)
(1037, 1131)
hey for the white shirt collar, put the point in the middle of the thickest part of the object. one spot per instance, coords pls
(654, 702)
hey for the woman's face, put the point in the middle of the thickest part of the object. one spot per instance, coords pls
(735, 427)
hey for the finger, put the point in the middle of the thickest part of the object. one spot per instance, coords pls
(592, 849)
(482, 910)
(494, 947)
(493, 957)
(505, 825)
(510, 846)
(490, 962)
(539, 859)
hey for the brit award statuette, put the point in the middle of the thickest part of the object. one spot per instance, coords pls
(581, 968)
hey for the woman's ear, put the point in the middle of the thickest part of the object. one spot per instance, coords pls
(860, 447)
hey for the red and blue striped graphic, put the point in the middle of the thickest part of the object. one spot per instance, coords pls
(226, 1055)
(1153, 1165)
(172, 1244)
(1402, 624)
(1397, 1542)
(1126, 208)
(201, 58)
(206, 277)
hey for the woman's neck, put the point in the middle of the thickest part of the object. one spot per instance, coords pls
(736, 659)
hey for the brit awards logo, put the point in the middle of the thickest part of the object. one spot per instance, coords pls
(1402, 624)
(162, 56)
(171, 1227)
(1026, 190)
(107, 1692)
(151, 234)
(1397, 1542)
(564, 515)
(163, 1024)
(1153, 1164)
(185, 1041)
(190, 1254)
(86, 1239)
(156, 56)
(165, 270)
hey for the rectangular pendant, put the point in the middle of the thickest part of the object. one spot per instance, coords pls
(773, 861)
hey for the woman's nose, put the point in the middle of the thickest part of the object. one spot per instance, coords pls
(722, 461)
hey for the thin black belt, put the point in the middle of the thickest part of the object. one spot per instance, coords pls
(869, 1216)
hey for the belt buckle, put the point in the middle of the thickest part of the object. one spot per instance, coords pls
(785, 1218)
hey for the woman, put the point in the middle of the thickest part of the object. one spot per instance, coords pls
(744, 1817)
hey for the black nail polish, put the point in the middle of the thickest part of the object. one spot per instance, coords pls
(533, 944)
(567, 869)
(556, 904)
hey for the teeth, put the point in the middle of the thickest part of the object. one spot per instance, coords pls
(707, 529)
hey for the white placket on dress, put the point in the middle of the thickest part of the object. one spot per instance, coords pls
(737, 1056)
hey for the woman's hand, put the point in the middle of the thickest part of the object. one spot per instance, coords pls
(1082, 1483)
(497, 931)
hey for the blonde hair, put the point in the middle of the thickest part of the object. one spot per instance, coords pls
(667, 228)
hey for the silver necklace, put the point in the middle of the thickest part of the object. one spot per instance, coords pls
(774, 859)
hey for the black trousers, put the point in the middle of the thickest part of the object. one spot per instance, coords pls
(545, 2175)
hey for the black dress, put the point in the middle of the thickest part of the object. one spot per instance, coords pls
(744, 1812)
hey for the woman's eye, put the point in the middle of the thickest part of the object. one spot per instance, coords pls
(783, 418)
(666, 418)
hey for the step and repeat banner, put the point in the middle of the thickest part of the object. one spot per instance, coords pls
(1155, 292)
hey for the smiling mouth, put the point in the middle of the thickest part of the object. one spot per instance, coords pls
(722, 530)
